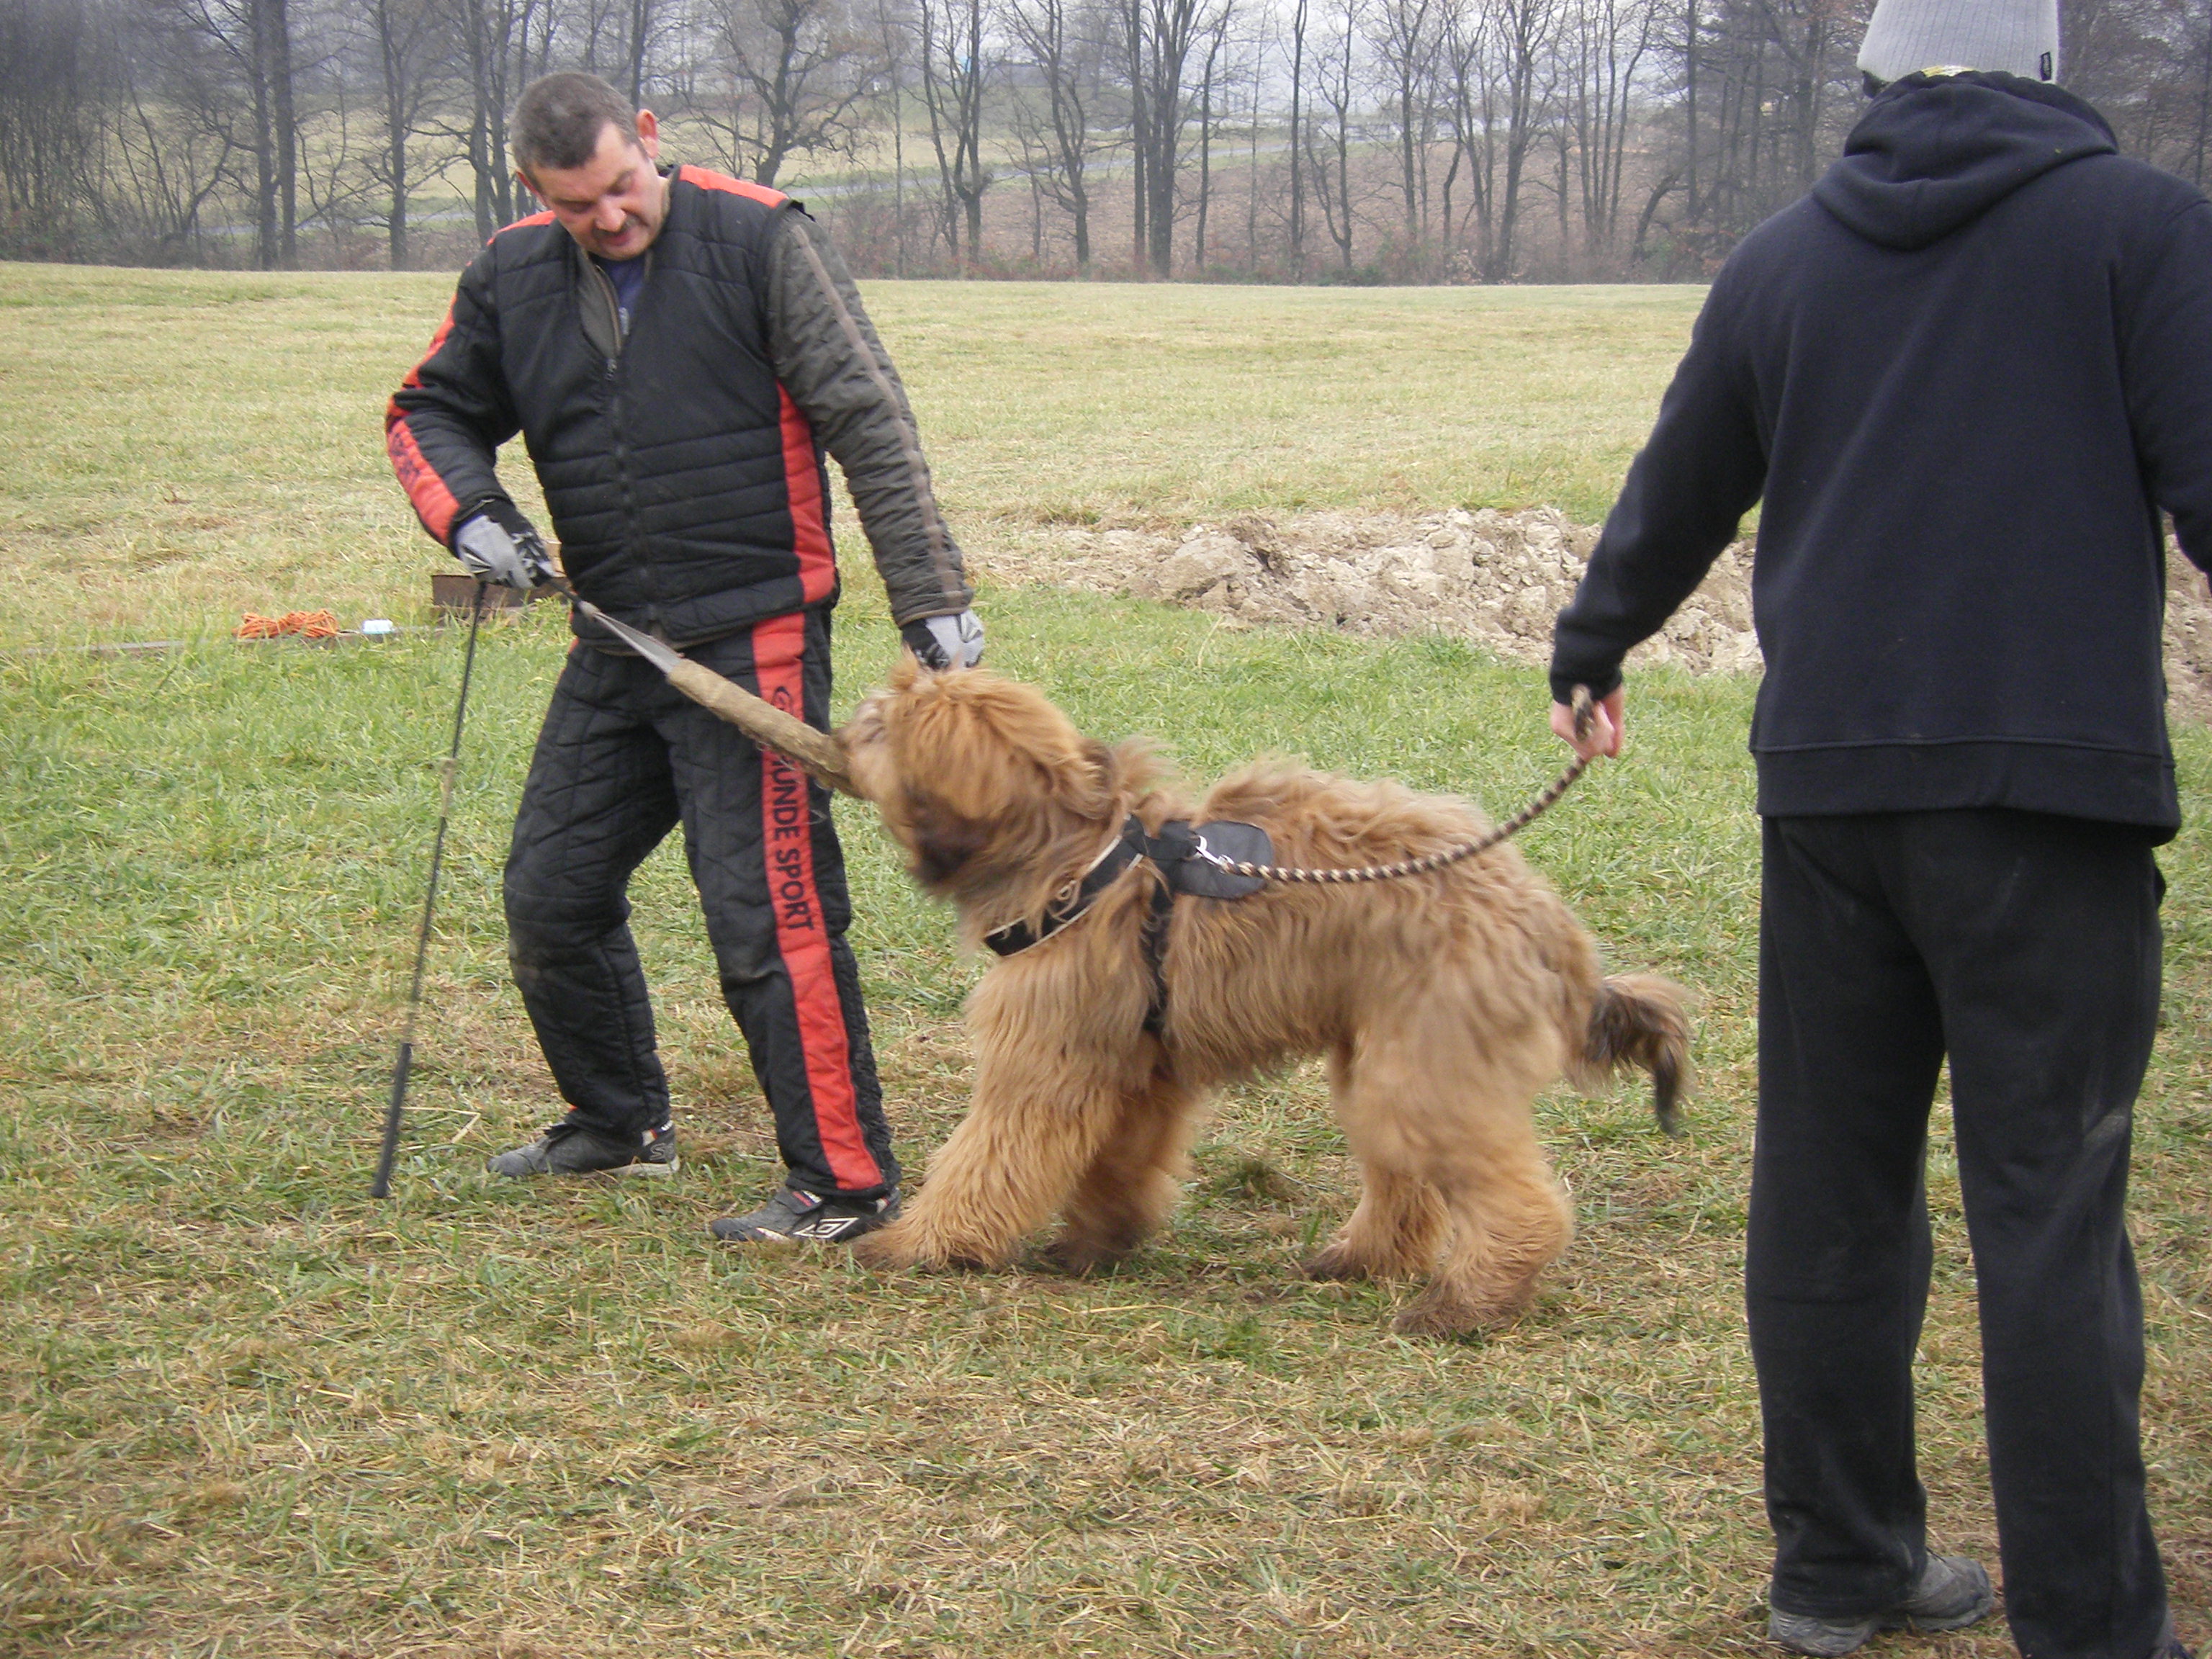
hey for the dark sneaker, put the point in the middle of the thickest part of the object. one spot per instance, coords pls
(793, 1215)
(570, 1148)
(1951, 1593)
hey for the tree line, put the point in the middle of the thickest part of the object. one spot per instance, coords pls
(1291, 140)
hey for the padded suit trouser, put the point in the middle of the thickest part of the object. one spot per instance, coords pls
(2025, 948)
(623, 759)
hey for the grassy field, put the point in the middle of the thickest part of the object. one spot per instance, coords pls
(182, 447)
(244, 1411)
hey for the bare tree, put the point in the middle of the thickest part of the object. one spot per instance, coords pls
(1692, 50)
(1603, 46)
(1660, 130)
(2147, 65)
(279, 129)
(1160, 36)
(494, 40)
(1404, 36)
(2201, 123)
(1134, 44)
(1767, 90)
(1216, 39)
(1522, 32)
(334, 161)
(644, 15)
(958, 65)
(55, 79)
(893, 37)
(183, 127)
(1256, 96)
(410, 44)
(799, 71)
(1468, 96)
(1065, 44)
(1329, 136)
(1301, 17)
(603, 26)
(252, 39)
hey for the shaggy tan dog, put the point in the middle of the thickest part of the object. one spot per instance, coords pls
(1444, 1003)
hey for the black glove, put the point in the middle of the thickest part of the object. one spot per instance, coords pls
(946, 641)
(498, 544)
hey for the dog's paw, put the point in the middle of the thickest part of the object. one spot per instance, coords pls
(1438, 1324)
(1334, 1262)
(1446, 1318)
(897, 1247)
(1079, 1258)
(886, 1250)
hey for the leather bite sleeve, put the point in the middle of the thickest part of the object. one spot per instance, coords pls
(444, 426)
(826, 354)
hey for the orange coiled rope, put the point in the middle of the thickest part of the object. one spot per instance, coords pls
(307, 624)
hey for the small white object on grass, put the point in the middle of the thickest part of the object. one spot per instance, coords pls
(377, 625)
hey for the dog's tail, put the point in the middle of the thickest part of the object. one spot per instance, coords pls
(1638, 1019)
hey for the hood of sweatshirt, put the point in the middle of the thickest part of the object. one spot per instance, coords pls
(1934, 152)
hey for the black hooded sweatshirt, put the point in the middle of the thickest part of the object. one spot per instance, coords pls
(1966, 374)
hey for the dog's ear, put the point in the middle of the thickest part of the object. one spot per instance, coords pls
(1088, 788)
(943, 841)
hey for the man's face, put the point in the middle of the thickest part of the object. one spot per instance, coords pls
(613, 204)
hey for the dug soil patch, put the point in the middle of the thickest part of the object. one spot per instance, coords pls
(1494, 578)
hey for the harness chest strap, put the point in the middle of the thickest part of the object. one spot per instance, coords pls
(1183, 853)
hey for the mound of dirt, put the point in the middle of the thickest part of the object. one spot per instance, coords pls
(1494, 578)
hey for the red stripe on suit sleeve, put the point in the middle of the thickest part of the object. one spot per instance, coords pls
(445, 328)
(433, 503)
(802, 937)
(709, 180)
(810, 521)
(545, 218)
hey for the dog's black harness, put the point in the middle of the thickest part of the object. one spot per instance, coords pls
(1183, 854)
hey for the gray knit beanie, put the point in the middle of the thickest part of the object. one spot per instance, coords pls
(2019, 37)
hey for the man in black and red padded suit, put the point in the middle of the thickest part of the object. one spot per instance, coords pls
(678, 350)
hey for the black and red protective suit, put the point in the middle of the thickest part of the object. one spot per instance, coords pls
(683, 464)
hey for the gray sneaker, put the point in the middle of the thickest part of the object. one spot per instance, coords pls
(793, 1216)
(1951, 1593)
(572, 1148)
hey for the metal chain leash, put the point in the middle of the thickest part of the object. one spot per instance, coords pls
(1585, 710)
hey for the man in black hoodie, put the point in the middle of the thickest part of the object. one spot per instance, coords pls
(1964, 375)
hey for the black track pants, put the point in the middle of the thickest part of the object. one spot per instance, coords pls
(2027, 949)
(623, 759)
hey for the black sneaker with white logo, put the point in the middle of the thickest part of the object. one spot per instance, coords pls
(572, 1148)
(793, 1217)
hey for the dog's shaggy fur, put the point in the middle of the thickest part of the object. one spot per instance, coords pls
(1444, 1003)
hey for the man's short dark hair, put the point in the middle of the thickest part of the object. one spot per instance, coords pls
(558, 122)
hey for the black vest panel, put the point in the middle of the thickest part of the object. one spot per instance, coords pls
(688, 493)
